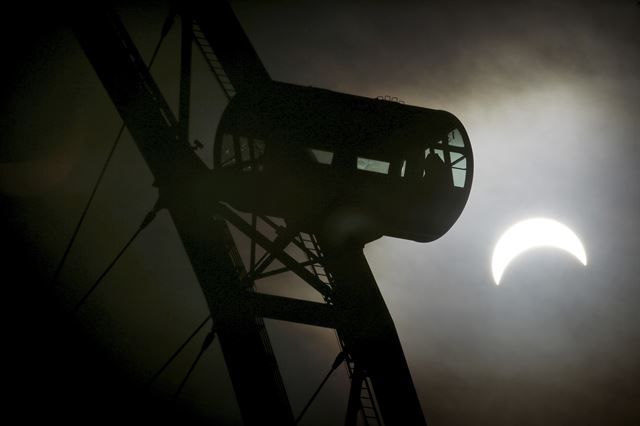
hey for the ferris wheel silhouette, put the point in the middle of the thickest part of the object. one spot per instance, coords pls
(308, 176)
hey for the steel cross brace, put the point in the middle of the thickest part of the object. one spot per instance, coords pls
(275, 248)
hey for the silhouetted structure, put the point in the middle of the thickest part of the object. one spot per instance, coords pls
(394, 169)
(340, 170)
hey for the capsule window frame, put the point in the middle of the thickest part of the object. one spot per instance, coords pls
(453, 152)
(322, 156)
(369, 162)
(242, 152)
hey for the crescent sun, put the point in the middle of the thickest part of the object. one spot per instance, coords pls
(533, 233)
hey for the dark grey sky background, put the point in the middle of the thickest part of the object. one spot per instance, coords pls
(549, 93)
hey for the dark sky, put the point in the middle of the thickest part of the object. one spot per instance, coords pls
(549, 93)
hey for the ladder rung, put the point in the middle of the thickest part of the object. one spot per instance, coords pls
(215, 65)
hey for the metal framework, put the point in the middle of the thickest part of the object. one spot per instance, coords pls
(353, 305)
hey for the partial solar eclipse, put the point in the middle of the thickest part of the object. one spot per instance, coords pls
(532, 233)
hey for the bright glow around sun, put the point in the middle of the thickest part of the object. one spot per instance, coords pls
(533, 233)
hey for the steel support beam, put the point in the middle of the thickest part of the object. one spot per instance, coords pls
(293, 310)
(252, 367)
(230, 44)
(274, 249)
(368, 331)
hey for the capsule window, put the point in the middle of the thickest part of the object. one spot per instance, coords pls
(404, 168)
(434, 164)
(228, 155)
(258, 148)
(373, 165)
(245, 152)
(241, 151)
(458, 160)
(458, 169)
(322, 157)
(458, 177)
(438, 152)
(454, 138)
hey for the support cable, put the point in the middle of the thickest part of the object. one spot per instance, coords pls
(147, 220)
(177, 352)
(336, 363)
(205, 345)
(165, 30)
